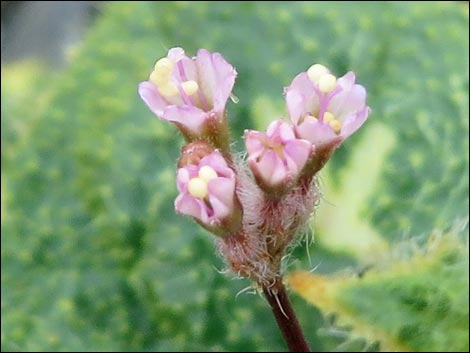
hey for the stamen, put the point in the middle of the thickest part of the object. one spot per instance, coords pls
(336, 126)
(181, 71)
(190, 87)
(316, 71)
(164, 66)
(327, 117)
(197, 187)
(161, 77)
(207, 173)
(157, 79)
(168, 89)
(327, 83)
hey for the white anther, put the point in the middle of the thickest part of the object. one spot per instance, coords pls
(316, 71)
(197, 187)
(207, 173)
(327, 83)
(190, 87)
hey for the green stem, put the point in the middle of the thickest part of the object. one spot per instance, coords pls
(285, 317)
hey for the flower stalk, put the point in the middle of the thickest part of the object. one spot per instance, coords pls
(286, 319)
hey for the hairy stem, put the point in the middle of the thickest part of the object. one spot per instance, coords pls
(285, 317)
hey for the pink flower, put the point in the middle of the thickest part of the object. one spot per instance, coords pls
(189, 91)
(207, 190)
(324, 110)
(277, 156)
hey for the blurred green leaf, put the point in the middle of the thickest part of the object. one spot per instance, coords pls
(415, 303)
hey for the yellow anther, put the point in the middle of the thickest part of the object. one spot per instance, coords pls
(169, 89)
(327, 83)
(190, 87)
(164, 66)
(207, 173)
(327, 117)
(157, 79)
(160, 77)
(336, 126)
(197, 188)
(316, 71)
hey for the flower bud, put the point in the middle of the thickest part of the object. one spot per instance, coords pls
(207, 187)
(276, 157)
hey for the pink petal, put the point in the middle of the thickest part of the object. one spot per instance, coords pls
(348, 102)
(191, 117)
(216, 77)
(281, 129)
(221, 194)
(220, 209)
(149, 94)
(295, 105)
(316, 132)
(302, 97)
(188, 205)
(299, 152)
(354, 122)
(223, 189)
(254, 142)
(301, 83)
(279, 174)
(270, 168)
(216, 161)
(347, 81)
(182, 179)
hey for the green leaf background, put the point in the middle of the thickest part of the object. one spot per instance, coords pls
(93, 255)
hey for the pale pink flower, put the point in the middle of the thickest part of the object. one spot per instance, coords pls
(324, 110)
(277, 156)
(189, 91)
(207, 190)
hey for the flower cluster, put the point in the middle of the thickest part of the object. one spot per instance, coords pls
(256, 211)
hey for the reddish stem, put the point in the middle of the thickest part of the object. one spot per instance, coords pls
(285, 317)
